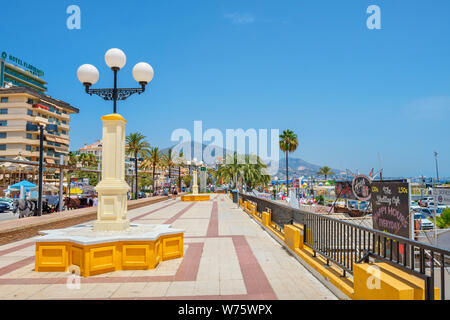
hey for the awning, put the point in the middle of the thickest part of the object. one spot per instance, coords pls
(37, 105)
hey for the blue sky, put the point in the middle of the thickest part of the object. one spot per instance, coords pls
(310, 66)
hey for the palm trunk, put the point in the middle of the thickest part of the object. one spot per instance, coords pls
(287, 173)
(153, 180)
(136, 172)
(169, 181)
(179, 179)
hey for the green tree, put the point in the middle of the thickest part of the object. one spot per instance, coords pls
(288, 143)
(73, 159)
(153, 160)
(180, 162)
(325, 171)
(443, 221)
(168, 160)
(248, 169)
(136, 146)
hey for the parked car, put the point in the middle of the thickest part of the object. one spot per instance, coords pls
(425, 201)
(424, 222)
(142, 195)
(4, 206)
(430, 212)
(440, 206)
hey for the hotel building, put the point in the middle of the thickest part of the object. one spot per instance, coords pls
(22, 102)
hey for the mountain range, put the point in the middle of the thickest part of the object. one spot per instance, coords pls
(297, 166)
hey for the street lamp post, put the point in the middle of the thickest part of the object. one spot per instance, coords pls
(437, 170)
(112, 189)
(136, 175)
(40, 127)
(115, 59)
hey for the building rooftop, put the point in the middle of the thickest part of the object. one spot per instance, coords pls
(43, 97)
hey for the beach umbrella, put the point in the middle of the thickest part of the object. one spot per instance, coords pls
(24, 183)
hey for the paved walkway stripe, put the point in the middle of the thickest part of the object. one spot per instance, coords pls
(16, 248)
(180, 213)
(16, 265)
(213, 227)
(152, 211)
(254, 277)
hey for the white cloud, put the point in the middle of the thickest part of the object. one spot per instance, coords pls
(240, 18)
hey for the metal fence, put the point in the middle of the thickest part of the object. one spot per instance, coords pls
(345, 244)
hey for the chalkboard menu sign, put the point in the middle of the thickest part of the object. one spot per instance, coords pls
(361, 187)
(343, 190)
(390, 207)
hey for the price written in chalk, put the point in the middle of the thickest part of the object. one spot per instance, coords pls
(402, 190)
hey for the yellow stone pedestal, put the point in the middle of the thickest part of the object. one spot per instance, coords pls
(112, 189)
(196, 197)
(58, 250)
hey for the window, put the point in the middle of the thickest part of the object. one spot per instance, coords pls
(30, 112)
(4, 99)
(64, 121)
(2, 146)
(28, 148)
(63, 132)
(30, 101)
(3, 111)
(3, 123)
(29, 136)
(2, 135)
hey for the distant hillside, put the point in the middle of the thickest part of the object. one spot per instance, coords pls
(297, 166)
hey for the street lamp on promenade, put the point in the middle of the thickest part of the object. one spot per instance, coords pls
(115, 59)
(112, 189)
(41, 127)
(437, 170)
(135, 160)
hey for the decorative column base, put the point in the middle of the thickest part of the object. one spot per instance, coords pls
(112, 190)
(195, 190)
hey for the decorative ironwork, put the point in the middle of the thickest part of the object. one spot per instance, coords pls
(108, 94)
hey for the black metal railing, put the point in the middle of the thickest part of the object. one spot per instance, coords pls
(345, 244)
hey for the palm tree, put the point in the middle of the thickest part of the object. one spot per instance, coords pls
(288, 143)
(136, 146)
(252, 174)
(231, 169)
(180, 163)
(153, 160)
(73, 159)
(169, 161)
(325, 171)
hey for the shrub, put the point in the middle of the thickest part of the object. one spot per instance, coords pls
(443, 221)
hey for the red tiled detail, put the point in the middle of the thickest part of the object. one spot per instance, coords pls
(189, 267)
(213, 227)
(152, 211)
(16, 248)
(16, 265)
(180, 213)
(254, 278)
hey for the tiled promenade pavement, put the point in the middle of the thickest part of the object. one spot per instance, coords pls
(227, 256)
